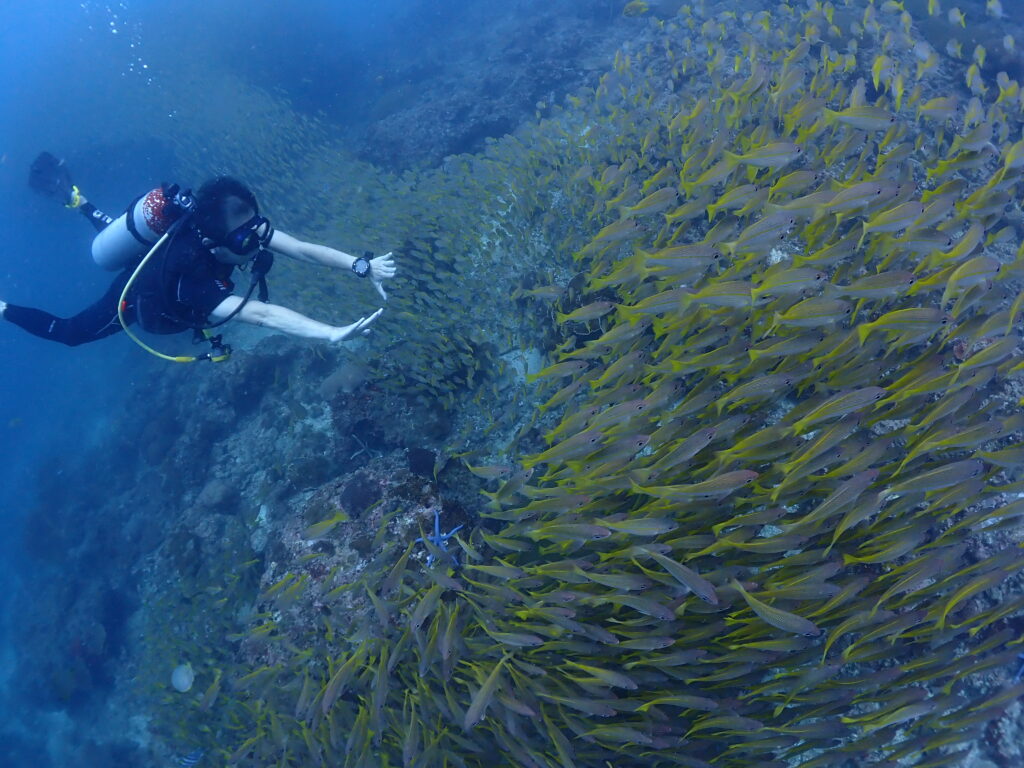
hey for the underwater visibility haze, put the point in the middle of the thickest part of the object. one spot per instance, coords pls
(689, 434)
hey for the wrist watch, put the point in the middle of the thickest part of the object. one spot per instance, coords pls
(361, 266)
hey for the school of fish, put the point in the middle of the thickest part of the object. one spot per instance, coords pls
(781, 408)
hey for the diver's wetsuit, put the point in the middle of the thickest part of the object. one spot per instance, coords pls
(166, 297)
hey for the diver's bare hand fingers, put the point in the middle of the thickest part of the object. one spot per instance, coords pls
(362, 322)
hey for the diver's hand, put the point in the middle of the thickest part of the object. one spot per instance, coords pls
(359, 326)
(381, 268)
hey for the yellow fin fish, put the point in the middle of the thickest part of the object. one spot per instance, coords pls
(881, 69)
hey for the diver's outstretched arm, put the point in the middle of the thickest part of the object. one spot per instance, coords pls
(290, 322)
(381, 267)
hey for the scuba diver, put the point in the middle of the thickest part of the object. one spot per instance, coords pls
(175, 254)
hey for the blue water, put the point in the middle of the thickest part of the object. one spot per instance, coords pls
(65, 67)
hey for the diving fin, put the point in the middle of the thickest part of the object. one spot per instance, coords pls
(49, 176)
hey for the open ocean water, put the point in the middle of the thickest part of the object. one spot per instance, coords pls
(689, 434)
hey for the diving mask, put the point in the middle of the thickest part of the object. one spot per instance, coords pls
(246, 239)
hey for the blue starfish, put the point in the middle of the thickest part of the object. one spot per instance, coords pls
(440, 540)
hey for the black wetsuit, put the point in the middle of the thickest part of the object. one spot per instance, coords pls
(176, 291)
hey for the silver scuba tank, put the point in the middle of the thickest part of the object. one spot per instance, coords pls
(134, 232)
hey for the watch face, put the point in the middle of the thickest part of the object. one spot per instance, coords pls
(361, 266)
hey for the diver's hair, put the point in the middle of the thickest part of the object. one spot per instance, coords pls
(213, 200)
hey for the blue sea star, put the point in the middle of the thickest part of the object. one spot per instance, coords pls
(440, 540)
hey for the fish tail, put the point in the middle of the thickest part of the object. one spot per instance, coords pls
(856, 309)
(863, 331)
(947, 294)
(910, 457)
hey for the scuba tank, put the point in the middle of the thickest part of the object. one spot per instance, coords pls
(130, 236)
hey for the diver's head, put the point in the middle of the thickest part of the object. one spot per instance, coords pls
(228, 216)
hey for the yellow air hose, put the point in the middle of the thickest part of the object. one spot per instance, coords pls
(122, 303)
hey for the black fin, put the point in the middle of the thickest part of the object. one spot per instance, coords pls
(50, 176)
